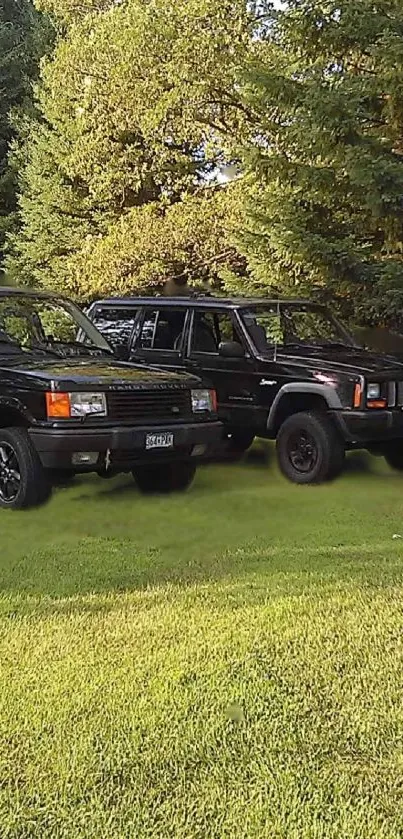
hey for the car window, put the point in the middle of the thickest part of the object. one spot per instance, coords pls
(210, 329)
(44, 321)
(293, 325)
(162, 329)
(116, 324)
(265, 328)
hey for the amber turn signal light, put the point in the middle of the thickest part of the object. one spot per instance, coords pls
(377, 403)
(357, 395)
(58, 405)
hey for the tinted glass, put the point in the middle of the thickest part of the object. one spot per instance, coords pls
(30, 321)
(210, 329)
(116, 324)
(294, 325)
(162, 329)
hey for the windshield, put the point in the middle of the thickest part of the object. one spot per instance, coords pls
(31, 322)
(294, 326)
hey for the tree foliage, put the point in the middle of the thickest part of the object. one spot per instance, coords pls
(21, 42)
(134, 106)
(325, 168)
(143, 100)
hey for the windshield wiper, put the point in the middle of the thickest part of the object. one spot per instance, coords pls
(41, 348)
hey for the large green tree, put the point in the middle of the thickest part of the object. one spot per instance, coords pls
(325, 169)
(135, 104)
(21, 42)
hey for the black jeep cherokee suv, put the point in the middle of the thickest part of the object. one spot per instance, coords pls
(283, 369)
(67, 406)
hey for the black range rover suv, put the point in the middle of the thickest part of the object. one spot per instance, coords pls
(282, 369)
(68, 406)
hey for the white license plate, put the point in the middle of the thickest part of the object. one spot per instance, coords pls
(165, 440)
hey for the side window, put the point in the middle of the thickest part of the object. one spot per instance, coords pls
(116, 324)
(271, 325)
(210, 329)
(43, 322)
(265, 328)
(162, 329)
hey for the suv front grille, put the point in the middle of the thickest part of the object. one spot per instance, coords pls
(138, 405)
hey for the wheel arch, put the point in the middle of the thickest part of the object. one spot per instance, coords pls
(12, 414)
(295, 398)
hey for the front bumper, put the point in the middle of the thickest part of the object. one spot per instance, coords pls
(370, 426)
(120, 448)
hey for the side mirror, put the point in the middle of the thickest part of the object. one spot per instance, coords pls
(231, 349)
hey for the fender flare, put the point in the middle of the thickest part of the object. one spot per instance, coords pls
(13, 404)
(325, 392)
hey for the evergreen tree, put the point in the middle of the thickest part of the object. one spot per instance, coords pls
(21, 39)
(325, 171)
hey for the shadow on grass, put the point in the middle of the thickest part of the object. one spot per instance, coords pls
(360, 463)
(241, 521)
(260, 455)
(253, 577)
(96, 569)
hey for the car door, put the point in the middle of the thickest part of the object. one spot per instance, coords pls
(159, 337)
(234, 379)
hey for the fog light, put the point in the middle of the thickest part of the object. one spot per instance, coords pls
(84, 458)
(199, 450)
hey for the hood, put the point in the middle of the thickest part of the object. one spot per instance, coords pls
(347, 360)
(76, 374)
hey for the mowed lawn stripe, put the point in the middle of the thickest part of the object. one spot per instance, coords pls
(243, 687)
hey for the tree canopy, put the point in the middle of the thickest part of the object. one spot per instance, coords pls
(21, 43)
(326, 167)
(134, 107)
(141, 103)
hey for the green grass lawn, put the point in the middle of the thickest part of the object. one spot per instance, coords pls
(223, 664)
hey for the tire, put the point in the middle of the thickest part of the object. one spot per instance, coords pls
(309, 449)
(239, 442)
(394, 456)
(164, 477)
(19, 458)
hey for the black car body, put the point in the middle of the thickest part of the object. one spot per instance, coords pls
(67, 406)
(270, 361)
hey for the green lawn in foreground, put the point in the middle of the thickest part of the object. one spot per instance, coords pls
(130, 625)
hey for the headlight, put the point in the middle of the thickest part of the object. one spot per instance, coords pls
(204, 400)
(68, 405)
(82, 404)
(373, 391)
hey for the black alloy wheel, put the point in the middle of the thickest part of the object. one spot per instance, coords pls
(309, 448)
(302, 451)
(10, 475)
(23, 481)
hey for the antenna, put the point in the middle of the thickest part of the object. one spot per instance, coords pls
(276, 333)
